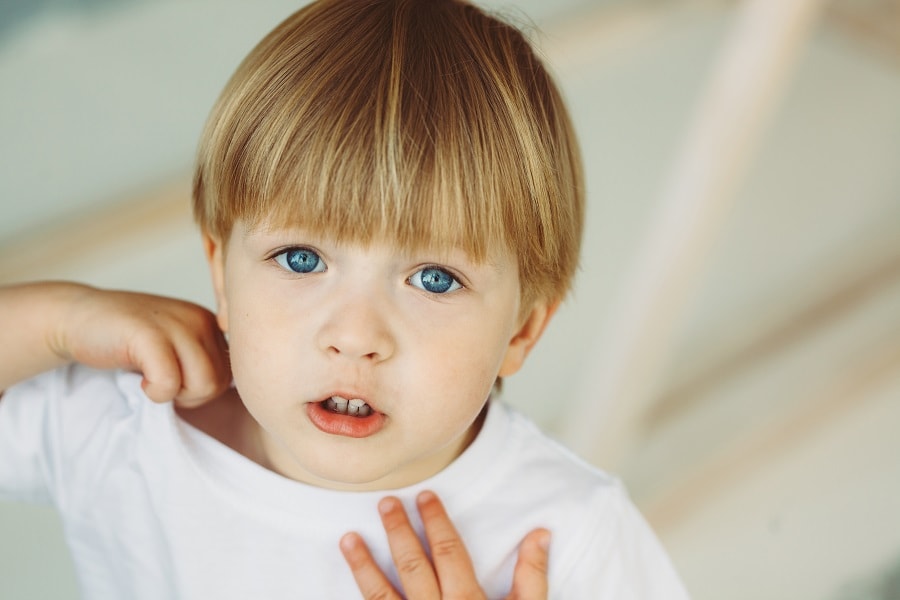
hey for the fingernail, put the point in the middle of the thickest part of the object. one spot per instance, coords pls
(386, 505)
(544, 541)
(425, 497)
(349, 541)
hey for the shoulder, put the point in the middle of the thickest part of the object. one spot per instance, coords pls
(74, 389)
(600, 539)
(81, 393)
(74, 408)
(540, 478)
(59, 429)
(536, 458)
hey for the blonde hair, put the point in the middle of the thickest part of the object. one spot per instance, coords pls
(421, 122)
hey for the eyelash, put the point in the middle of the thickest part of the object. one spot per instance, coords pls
(455, 280)
(281, 259)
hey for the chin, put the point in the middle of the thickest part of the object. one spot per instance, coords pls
(350, 477)
(349, 483)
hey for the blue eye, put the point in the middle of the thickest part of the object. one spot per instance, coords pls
(434, 280)
(300, 260)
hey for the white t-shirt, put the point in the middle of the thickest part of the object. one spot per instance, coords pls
(154, 508)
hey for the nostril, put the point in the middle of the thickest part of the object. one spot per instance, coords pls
(356, 338)
(375, 356)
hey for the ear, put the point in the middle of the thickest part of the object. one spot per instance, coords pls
(526, 337)
(215, 257)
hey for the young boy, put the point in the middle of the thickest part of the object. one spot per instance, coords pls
(391, 202)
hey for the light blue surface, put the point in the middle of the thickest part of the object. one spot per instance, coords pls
(34, 560)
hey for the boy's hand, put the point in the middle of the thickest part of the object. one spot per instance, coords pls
(176, 345)
(451, 575)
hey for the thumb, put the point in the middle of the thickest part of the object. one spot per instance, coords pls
(530, 573)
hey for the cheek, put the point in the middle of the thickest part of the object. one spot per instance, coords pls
(260, 366)
(471, 363)
(493, 342)
(255, 339)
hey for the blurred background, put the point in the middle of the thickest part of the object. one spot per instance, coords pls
(732, 347)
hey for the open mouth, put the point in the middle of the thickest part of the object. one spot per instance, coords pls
(349, 417)
(353, 407)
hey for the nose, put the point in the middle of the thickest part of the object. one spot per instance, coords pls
(357, 327)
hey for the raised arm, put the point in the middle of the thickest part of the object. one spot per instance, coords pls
(176, 345)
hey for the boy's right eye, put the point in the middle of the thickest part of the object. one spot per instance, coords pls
(300, 260)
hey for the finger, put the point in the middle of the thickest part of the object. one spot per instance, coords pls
(451, 560)
(157, 361)
(204, 367)
(223, 358)
(530, 573)
(216, 346)
(413, 566)
(370, 580)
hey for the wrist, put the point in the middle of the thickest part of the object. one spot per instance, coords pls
(62, 303)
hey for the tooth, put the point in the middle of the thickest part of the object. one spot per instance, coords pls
(354, 406)
(340, 404)
(365, 411)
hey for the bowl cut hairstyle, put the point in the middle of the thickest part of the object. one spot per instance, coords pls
(425, 123)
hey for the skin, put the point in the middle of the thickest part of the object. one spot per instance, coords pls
(181, 352)
(451, 574)
(361, 326)
(176, 345)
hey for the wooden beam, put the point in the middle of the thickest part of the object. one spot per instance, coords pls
(828, 400)
(66, 240)
(624, 366)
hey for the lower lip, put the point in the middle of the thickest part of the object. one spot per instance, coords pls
(345, 425)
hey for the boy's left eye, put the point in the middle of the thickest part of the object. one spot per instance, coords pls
(434, 280)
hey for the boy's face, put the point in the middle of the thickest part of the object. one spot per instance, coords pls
(315, 326)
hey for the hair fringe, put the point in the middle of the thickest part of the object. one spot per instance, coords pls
(425, 123)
